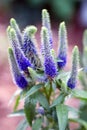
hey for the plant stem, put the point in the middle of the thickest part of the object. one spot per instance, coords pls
(50, 91)
(45, 91)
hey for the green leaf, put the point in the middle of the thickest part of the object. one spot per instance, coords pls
(29, 109)
(33, 73)
(63, 75)
(36, 76)
(58, 100)
(62, 115)
(80, 121)
(83, 109)
(42, 100)
(33, 90)
(54, 85)
(83, 79)
(16, 93)
(17, 113)
(45, 128)
(22, 125)
(73, 110)
(81, 94)
(37, 124)
(17, 102)
(39, 97)
(61, 83)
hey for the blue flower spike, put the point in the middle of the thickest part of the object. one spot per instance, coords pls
(21, 60)
(74, 72)
(14, 25)
(18, 78)
(49, 63)
(47, 24)
(62, 50)
(29, 47)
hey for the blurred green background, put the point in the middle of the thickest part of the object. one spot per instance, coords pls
(29, 11)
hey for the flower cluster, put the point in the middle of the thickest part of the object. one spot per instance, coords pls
(39, 75)
(25, 54)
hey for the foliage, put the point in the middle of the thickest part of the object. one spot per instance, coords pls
(83, 76)
(40, 76)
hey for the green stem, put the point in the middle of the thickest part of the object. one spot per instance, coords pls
(50, 91)
(47, 96)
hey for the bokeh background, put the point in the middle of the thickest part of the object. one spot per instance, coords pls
(28, 12)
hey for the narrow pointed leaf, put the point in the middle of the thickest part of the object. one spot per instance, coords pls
(33, 90)
(29, 109)
(17, 113)
(81, 94)
(16, 93)
(17, 102)
(41, 99)
(22, 125)
(58, 100)
(62, 115)
(37, 124)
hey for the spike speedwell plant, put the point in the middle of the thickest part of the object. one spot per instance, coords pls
(39, 77)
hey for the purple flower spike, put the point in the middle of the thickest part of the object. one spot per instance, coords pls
(21, 81)
(21, 60)
(49, 63)
(73, 77)
(17, 30)
(46, 23)
(63, 61)
(62, 51)
(18, 78)
(71, 83)
(29, 47)
(50, 68)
